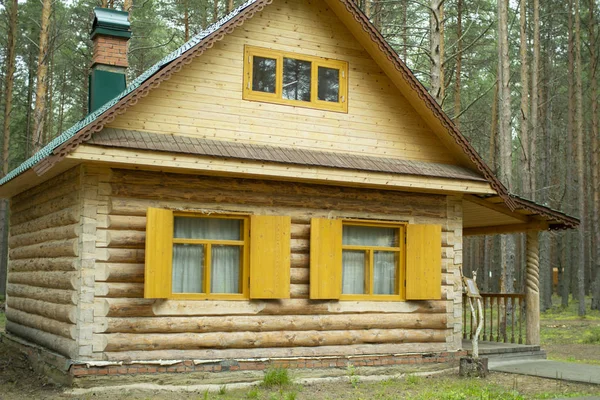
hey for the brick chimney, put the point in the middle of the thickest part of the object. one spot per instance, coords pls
(110, 34)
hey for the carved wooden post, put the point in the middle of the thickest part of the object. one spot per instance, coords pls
(533, 288)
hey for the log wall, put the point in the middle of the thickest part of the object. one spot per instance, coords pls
(44, 264)
(127, 326)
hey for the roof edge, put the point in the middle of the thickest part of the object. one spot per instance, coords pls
(430, 102)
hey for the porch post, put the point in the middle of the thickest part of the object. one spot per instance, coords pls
(532, 290)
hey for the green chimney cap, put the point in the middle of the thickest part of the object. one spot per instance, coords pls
(111, 23)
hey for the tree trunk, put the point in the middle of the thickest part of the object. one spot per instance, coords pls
(11, 44)
(595, 155)
(42, 79)
(215, 10)
(30, 83)
(436, 42)
(507, 245)
(127, 5)
(405, 32)
(526, 154)
(186, 19)
(229, 6)
(570, 258)
(457, 85)
(580, 163)
(535, 71)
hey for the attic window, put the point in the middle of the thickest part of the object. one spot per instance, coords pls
(287, 78)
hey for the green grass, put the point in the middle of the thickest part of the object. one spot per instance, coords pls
(276, 377)
(448, 387)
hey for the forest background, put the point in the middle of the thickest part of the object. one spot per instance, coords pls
(519, 78)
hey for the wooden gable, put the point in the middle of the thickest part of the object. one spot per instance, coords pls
(204, 99)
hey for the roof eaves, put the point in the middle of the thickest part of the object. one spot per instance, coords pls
(40, 160)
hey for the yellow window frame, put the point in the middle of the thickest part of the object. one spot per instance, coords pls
(244, 244)
(277, 98)
(369, 264)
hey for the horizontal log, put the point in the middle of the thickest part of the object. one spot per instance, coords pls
(48, 279)
(281, 352)
(300, 231)
(63, 329)
(63, 217)
(44, 235)
(300, 275)
(106, 272)
(299, 245)
(138, 184)
(59, 344)
(59, 296)
(269, 323)
(66, 178)
(107, 307)
(53, 249)
(46, 208)
(119, 290)
(55, 192)
(300, 260)
(245, 340)
(43, 264)
(134, 256)
(121, 239)
(58, 312)
(299, 291)
(123, 222)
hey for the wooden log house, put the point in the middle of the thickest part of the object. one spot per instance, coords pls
(280, 189)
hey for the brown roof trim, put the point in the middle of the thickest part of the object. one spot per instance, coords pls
(144, 89)
(129, 139)
(565, 221)
(414, 83)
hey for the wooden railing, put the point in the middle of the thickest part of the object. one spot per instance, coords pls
(503, 318)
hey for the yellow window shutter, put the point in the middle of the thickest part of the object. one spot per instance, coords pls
(423, 262)
(159, 253)
(270, 257)
(325, 258)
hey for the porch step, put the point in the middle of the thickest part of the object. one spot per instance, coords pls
(506, 351)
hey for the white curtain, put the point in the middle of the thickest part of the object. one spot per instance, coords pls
(353, 272)
(384, 271)
(189, 259)
(354, 263)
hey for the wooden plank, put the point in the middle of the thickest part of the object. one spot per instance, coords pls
(423, 262)
(159, 253)
(501, 229)
(325, 258)
(270, 257)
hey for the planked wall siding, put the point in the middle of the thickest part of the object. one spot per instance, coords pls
(127, 326)
(43, 270)
(204, 99)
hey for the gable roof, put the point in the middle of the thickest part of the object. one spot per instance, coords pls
(82, 132)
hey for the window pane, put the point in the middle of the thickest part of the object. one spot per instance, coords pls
(384, 271)
(296, 79)
(353, 272)
(263, 74)
(207, 228)
(354, 235)
(329, 84)
(188, 268)
(225, 269)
